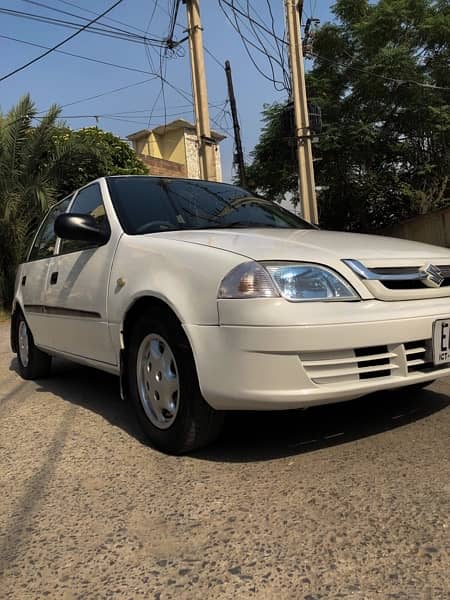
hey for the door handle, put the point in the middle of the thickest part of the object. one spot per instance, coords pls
(24, 279)
(54, 277)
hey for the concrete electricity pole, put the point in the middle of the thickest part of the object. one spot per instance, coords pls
(206, 143)
(307, 185)
(239, 156)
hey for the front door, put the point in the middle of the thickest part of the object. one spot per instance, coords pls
(77, 287)
(33, 277)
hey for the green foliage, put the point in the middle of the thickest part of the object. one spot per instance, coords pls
(385, 147)
(40, 165)
(112, 157)
(272, 171)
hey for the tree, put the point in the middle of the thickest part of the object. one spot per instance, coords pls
(30, 164)
(40, 165)
(381, 76)
(113, 157)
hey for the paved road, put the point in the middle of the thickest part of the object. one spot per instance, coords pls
(347, 501)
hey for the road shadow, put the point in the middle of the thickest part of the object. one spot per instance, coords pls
(254, 436)
(92, 389)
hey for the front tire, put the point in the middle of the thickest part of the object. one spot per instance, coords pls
(33, 363)
(163, 386)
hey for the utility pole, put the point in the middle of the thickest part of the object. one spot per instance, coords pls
(307, 186)
(239, 155)
(202, 124)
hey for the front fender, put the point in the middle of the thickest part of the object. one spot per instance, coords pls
(184, 275)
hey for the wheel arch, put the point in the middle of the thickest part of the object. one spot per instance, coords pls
(15, 313)
(139, 306)
(146, 303)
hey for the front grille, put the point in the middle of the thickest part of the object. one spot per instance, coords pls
(418, 356)
(404, 283)
(399, 284)
(349, 365)
(373, 362)
(373, 357)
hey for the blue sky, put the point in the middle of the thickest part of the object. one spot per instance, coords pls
(62, 79)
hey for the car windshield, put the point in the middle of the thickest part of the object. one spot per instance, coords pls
(152, 204)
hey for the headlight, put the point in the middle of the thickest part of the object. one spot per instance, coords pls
(296, 282)
(305, 282)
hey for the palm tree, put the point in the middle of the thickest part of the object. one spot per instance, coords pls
(32, 160)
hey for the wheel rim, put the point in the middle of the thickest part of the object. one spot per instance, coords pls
(23, 344)
(158, 381)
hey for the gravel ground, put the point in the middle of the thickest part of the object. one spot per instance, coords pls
(344, 501)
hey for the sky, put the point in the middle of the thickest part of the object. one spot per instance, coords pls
(65, 80)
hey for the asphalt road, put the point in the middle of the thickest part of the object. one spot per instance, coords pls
(344, 501)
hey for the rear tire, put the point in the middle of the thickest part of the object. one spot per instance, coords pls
(164, 389)
(33, 363)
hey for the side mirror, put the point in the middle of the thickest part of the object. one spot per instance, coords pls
(80, 227)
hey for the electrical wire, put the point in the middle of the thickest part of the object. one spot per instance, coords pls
(215, 59)
(247, 16)
(173, 20)
(105, 31)
(184, 94)
(237, 17)
(71, 14)
(53, 48)
(87, 10)
(107, 93)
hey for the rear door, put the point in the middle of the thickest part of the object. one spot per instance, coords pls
(33, 277)
(77, 287)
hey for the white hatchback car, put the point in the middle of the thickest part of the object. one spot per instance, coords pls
(204, 298)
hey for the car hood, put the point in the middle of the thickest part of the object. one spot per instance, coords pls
(314, 245)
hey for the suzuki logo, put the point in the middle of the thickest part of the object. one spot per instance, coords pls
(434, 276)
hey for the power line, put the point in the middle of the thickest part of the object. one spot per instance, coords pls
(252, 20)
(204, 47)
(70, 14)
(173, 20)
(87, 10)
(108, 92)
(124, 114)
(44, 54)
(259, 46)
(89, 58)
(213, 57)
(105, 31)
(180, 91)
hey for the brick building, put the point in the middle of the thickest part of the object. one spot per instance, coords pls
(172, 149)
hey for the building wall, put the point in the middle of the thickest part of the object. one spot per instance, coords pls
(171, 145)
(140, 146)
(163, 168)
(192, 162)
(179, 148)
(433, 228)
(218, 163)
(192, 159)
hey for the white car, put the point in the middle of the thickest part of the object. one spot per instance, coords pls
(204, 298)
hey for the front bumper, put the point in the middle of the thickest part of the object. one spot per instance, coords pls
(318, 361)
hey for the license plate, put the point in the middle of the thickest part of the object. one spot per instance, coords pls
(441, 341)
